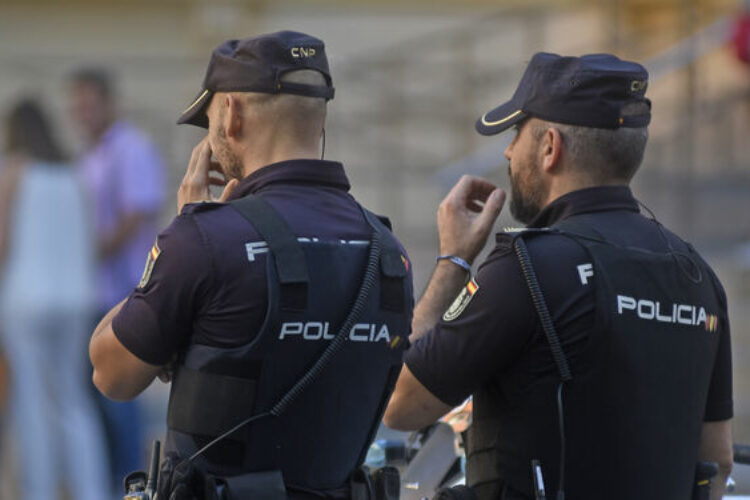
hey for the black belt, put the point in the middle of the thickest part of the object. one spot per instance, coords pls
(300, 493)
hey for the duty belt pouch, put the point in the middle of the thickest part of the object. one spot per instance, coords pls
(383, 484)
(361, 484)
(704, 474)
(265, 485)
(386, 483)
(461, 492)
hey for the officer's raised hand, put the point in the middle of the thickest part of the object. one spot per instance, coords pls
(465, 219)
(466, 215)
(197, 180)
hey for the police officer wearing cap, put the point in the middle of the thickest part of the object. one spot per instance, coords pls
(595, 342)
(280, 310)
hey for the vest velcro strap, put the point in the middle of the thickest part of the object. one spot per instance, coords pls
(393, 267)
(481, 467)
(291, 265)
(481, 454)
(484, 433)
(392, 296)
(392, 263)
(197, 396)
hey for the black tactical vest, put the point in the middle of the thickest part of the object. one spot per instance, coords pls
(324, 435)
(633, 415)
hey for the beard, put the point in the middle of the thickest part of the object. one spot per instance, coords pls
(527, 197)
(230, 162)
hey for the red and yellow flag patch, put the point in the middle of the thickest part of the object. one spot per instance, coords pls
(406, 263)
(153, 254)
(712, 323)
(461, 301)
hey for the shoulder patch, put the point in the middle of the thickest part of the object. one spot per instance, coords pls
(153, 254)
(461, 301)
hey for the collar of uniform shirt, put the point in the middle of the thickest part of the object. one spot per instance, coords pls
(304, 171)
(593, 199)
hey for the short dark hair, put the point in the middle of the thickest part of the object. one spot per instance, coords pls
(97, 77)
(606, 154)
(28, 132)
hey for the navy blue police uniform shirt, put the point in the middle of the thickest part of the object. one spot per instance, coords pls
(207, 282)
(497, 341)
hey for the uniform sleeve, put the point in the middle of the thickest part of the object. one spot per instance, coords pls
(719, 404)
(141, 173)
(156, 320)
(479, 336)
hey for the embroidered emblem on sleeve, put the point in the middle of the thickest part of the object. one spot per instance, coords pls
(406, 263)
(461, 301)
(153, 254)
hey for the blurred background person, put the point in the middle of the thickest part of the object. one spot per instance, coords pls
(45, 308)
(123, 173)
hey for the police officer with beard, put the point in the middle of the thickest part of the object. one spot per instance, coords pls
(281, 309)
(595, 342)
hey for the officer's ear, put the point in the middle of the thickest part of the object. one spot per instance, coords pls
(233, 116)
(550, 149)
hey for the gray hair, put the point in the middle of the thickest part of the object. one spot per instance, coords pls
(603, 155)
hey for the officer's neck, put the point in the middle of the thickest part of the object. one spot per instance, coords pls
(255, 160)
(563, 185)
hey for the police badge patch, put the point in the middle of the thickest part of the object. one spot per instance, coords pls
(463, 299)
(150, 261)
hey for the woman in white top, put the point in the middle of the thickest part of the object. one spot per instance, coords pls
(46, 257)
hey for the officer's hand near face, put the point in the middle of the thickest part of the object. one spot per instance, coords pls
(465, 219)
(466, 215)
(197, 180)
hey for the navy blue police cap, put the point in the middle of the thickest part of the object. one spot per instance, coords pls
(256, 64)
(589, 91)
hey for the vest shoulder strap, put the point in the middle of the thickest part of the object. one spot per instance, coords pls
(291, 264)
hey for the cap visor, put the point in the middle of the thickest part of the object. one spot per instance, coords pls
(499, 119)
(195, 114)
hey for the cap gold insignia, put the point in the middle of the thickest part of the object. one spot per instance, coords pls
(298, 52)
